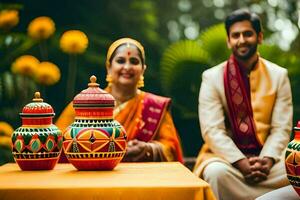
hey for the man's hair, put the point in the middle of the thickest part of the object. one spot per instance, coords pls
(241, 15)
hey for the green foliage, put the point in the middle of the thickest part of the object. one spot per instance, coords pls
(15, 92)
(14, 6)
(6, 156)
(103, 22)
(12, 45)
(183, 63)
(213, 40)
(181, 67)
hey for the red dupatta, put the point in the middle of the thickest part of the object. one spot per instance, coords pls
(240, 110)
(152, 114)
(154, 109)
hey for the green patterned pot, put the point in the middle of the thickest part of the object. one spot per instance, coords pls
(37, 143)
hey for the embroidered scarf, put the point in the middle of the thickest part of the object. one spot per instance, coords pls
(152, 114)
(240, 109)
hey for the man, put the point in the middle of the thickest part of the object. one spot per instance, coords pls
(245, 111)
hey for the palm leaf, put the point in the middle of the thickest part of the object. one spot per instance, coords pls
(213, 40)
(271, 52)
(15, 91)
(13, 45)
(181, 67)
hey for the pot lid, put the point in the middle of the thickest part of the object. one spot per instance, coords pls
(37, 107)
(93, 96)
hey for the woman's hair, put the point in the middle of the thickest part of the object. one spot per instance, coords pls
(126, 44)
(241, 15)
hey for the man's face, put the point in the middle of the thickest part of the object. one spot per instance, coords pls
(243, 40)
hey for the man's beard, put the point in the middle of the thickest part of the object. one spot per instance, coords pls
(249, 54)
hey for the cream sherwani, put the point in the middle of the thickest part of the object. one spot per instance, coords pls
(219, 151)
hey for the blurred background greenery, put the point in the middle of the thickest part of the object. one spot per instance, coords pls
(181, 38)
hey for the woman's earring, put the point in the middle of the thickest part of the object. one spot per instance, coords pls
(109, 80)
(140, 83)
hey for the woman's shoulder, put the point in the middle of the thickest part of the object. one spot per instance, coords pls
(156, 98)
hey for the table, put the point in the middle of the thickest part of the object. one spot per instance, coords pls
(164, 180)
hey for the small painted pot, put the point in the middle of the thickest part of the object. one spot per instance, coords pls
(37, 143)
(292, 160)
(94, 141)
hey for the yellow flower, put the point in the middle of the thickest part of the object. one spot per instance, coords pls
(5, 129)
(74, 42)
(25, 65)
(41, 28)
(5, 142)
(9, 18)
(47, 73)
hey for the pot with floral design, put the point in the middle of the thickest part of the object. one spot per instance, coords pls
(36, 145)
(292, 160)
(94, 141)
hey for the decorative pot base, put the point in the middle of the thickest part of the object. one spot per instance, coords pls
(94, 164)
(37, 164)
(95, 161)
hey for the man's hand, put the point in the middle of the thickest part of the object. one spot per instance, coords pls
(258, 173)
(243, 166)
(254, 169)
(267, 164)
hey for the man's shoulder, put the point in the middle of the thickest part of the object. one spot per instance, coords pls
(273, 67)
(217, 69)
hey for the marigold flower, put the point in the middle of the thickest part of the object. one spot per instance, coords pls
(5, 142)
(74, 42)
(47, 73)
(9, 18)
(41, 28)
(25, 65)
(5, 129)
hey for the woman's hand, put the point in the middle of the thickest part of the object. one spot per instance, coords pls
(138, 151)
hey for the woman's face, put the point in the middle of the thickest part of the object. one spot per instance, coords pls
(126, 66)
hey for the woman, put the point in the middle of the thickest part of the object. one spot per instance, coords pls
(151, 133)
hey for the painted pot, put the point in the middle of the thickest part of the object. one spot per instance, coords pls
(292, 160)
(37, 143)
(94, 141)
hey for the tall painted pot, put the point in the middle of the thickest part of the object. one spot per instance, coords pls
(292, 160)
(94, 141)
(37, 143)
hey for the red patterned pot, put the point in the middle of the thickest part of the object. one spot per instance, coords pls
(37, 143)
(292, 160)
(94, 141)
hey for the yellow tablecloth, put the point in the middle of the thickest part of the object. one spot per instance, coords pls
(127, 181)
